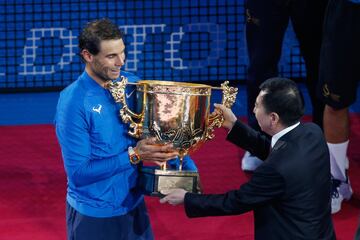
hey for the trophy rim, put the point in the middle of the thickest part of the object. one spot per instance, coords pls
(172, 83)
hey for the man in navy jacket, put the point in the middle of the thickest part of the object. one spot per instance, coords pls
(289, 199)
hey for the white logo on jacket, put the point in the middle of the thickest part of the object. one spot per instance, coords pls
(131, 93)
(97, 109)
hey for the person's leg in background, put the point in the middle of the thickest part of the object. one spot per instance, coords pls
(307, 17)
(339, 77)
(266, 24)
(336, 129)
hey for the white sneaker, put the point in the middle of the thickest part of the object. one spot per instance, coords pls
(336, 203)
(340, 191)
(345, 189)
(250, 162)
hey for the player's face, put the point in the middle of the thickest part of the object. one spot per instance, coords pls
(107, 63)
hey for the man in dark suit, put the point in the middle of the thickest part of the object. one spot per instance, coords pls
(290, 200)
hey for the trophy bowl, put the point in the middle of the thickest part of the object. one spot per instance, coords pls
(173, 112)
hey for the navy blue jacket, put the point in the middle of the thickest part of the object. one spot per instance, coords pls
(289, 193)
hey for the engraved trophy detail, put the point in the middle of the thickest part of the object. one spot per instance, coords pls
(173, 112)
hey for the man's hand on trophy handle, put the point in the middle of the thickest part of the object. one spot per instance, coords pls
(173, 196)
(216, 111)
(229, 116)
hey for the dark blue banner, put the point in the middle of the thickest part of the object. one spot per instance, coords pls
(192, 41)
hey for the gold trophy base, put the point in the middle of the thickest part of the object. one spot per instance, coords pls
(153, 180)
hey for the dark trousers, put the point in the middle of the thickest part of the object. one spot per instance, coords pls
(266, 24)
(134, 225)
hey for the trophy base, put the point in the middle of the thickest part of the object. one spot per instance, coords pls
(153, 180)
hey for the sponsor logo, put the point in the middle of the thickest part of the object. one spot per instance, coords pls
(129, 95)
(97, 108)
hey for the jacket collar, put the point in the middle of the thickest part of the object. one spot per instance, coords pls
(90, 83)
(277, 136)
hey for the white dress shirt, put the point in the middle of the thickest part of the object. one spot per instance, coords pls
(276, 137)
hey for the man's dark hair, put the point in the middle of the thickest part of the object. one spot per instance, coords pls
(283, 97)
(96, 31)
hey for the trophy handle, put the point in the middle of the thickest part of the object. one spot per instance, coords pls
(117, 90)
(228, 99)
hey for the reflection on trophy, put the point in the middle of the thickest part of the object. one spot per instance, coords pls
(173, 112)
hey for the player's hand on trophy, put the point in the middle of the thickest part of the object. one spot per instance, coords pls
(229, 116)
(173, 196)
(150, 150)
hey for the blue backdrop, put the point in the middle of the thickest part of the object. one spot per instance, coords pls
(188, 40)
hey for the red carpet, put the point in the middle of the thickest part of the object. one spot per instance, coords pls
(32, 189)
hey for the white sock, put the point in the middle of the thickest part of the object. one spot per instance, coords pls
(338, 160)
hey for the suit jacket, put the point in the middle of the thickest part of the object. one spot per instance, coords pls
(289, 193)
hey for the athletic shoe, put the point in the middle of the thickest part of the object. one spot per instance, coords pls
(340, 190)
(345, 188)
